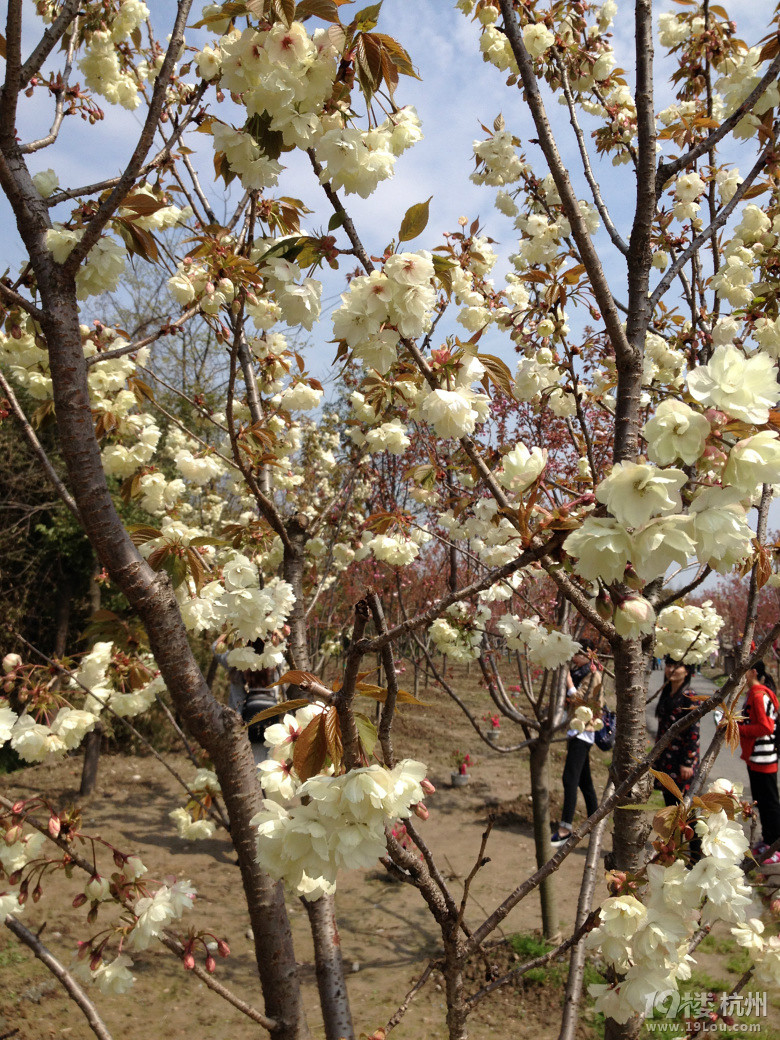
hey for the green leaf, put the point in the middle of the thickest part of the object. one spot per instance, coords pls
(366, 19)
(415, 221)
(367, 733)
(176, 568)
(336, 221)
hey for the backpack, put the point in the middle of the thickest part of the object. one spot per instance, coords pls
(257, 700)
(605, 737)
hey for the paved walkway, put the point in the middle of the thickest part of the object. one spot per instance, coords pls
(728, 764)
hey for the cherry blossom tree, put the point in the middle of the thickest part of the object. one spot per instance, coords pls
(447, 500)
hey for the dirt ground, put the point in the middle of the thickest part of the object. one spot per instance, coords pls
(386, 933)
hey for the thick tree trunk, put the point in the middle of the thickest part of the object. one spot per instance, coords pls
(218, 730)
(329, 963)
(538, 762)
(89, 770)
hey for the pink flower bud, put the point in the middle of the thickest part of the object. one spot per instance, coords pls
(188, 961)
(13, 834)
(427, 786)
(222, 948)
(211, 964)
(420, 810)
(55, 826)
(80, 900)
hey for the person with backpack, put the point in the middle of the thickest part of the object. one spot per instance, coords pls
(584, 688)
(757, 738)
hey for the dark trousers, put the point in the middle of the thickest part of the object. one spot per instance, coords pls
(576, 774)
(763, 789)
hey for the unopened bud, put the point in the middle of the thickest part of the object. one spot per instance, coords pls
(13, 834)
(37, 893)
(95, 961)
(188, 961)
(420, 810)
(427, 786)
(55, 826)
(80, 900)
(222, 948)
(211, 964)
(11, 662)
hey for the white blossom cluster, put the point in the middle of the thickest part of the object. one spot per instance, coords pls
(688, 633)
(380, 307)
(191, 822)
(340, 822)
(458, 634)
(647, 941)
(151, 913)
(546, 648)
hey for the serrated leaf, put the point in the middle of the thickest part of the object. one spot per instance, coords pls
(175, 567)
(366, 19)
(295, 678)
(398, 55)
(282, 708)
(311, 749)
(324, 9)
(332, 728)
(666, 781)
(415, 221)
(498, 371)
(367, 733)
(336, 221)
(140, 533)
(665, 821)
(379, 693)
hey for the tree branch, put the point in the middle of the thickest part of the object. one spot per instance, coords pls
(107, 208)
(38, 449)
(73, 989)
(48, 42)
(569, 203)
(669, 169)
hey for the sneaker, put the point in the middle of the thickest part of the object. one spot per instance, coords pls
(774, 858)
(560, 838)
(759, 848)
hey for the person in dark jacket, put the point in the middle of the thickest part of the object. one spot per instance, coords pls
(757, 743)
(681, 758)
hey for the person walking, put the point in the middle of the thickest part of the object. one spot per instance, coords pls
(681, 758)
(584, 687)
(758, 749)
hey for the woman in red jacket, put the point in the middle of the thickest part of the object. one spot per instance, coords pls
(757, 740)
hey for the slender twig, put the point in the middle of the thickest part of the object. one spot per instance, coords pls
(215, 812)
(72, 988)
(38, 449)
(666, 170)
(131, 348)
(714, 226)
(404, 1007)
(15, 299)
